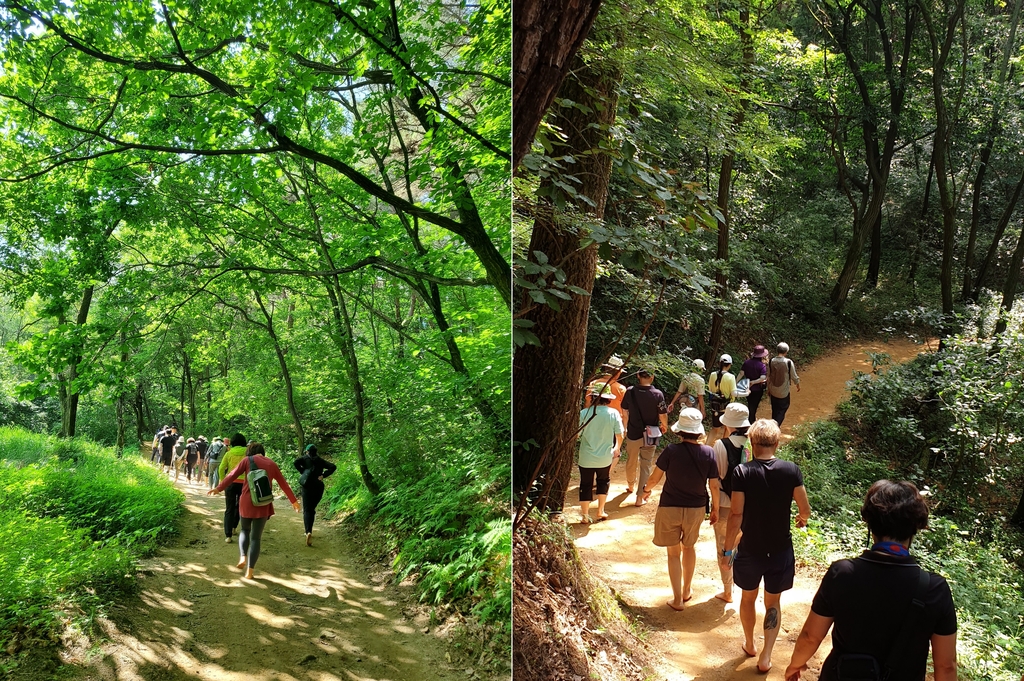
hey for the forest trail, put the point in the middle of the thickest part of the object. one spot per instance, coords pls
(703, 641)
(311, 614)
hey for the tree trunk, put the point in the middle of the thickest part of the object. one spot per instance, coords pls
(548, 378)
(68, 392)
(878, 149)
(875, 262)
(992, 132)
(119, 403)
(993, 248)
(1010, 285)
(289, 390)
(724, 189)
(545, 38)
(1018, 516)
(941, 44)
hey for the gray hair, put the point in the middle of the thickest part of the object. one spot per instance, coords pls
(782, 348)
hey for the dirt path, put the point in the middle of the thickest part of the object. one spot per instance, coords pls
(312, 614)
(703, 641)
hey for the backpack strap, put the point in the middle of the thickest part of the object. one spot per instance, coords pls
(899, 646)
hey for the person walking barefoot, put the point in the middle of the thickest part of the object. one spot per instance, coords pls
(763, 491)
(254, 518)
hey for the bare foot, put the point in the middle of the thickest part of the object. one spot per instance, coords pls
(309, 539)
(750, 653)
(764, 670)
(248, 575)
(724, 596)
(241, 562)
(674, 605)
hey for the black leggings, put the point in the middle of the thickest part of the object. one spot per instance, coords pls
(780, 405)
(753, 401)
(231, 494)
(190, 466)
(311, 496)
(249, 539)
(587, 481)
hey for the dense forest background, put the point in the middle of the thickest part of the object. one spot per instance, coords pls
(713, 175)
(286, 219)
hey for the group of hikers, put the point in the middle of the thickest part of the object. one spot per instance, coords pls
(750, 509)
(225, 464)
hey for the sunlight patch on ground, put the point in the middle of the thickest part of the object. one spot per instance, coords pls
(258, 612)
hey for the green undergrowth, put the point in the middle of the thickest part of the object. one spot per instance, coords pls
(446, 524)
(985, 581)
(75, 519)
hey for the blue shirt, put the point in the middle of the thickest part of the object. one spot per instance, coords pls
(598, 437)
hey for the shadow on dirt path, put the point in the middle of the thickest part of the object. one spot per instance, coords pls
(703, 641)
(310, 614)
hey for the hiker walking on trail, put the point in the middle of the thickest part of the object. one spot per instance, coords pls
(763, 490)
(203, 446)
(213, 456)
(781, 375)
(167, 442)
(179, 456)
(600, 442)
(722, 387)
(156, 445)
(689, 469)
(730, 452)
(884, 608)
(313, 470)
(612, 372)
(690, 394)
(755, 370)
(191, 458)
(254, 518)
(647, 420)
(232, 492)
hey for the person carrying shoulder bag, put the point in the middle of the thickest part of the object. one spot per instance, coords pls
(884, 610)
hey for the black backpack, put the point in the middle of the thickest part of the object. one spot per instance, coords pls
(735, 457)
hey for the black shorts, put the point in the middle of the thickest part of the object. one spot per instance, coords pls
(777, 569)
(166, 457)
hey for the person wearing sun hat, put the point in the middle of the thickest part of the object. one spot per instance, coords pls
(691, 389)
(689, 469)
(730, 452)
(600, 442)
(755, 370)
(612, 371)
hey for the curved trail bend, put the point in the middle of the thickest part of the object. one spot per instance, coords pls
(703, 641)
(311, 614)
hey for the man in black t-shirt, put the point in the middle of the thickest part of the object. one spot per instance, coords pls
(763, 490)
(167, 442)
(646, 407)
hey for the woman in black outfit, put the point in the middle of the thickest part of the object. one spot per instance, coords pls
(314, 470)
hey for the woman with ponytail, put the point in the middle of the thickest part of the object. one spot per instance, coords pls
(313, 469)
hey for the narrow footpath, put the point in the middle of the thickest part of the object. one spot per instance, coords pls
(311, 614)
(703, 641)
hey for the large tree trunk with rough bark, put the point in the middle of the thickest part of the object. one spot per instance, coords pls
(545, 39)
(548, 377)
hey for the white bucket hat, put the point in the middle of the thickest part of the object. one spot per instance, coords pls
(614, 362)
(689, 422)
(735, 415)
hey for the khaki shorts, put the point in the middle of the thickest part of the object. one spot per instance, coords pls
(674, 525)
